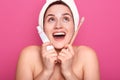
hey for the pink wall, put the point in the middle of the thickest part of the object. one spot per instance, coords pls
(101, 31)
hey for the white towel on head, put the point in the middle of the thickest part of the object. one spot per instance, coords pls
(71, 5)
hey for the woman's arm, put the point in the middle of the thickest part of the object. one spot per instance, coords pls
(66, 57)
(91, 64)
(24, 66)
(32, 56)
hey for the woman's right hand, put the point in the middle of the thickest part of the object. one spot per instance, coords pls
(48, 57)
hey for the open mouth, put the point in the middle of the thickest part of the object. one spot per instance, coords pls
(59, 35)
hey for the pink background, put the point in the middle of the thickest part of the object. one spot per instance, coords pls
(101, 31)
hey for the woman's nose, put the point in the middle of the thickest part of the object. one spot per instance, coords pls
(58, 25)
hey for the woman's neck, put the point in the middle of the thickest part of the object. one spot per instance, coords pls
(58, 50)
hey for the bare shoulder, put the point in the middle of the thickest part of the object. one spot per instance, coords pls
(28, 58)
(86, 52)
(88, 57)
(31, 48)
(30, 52)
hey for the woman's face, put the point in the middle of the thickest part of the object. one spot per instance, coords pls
(59, 25)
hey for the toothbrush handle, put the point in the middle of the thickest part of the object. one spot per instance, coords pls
(44, 38)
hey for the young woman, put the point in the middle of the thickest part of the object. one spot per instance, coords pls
(59, 20)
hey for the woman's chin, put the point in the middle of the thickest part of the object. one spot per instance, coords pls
(59, 46)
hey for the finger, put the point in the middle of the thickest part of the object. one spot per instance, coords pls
(65, 51)
(69, 52)
(75, 34)
(62, 56)
(70, 49)
(58, 61)
(52, 57)
(44, 45)
(44, 48)
(52, 51)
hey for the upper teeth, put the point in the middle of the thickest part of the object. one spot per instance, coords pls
(60, 33)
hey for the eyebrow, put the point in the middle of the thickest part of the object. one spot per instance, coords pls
(62, 14)
(49, 15)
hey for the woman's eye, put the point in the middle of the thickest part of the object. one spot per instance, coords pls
(66, 19)
(51, 20)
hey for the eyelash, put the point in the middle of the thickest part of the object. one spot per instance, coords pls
(64, 19)
(49, 20)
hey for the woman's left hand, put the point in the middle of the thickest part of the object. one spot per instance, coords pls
(66, 57)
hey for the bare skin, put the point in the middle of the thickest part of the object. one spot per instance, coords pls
(65, 62)
(85, 65)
